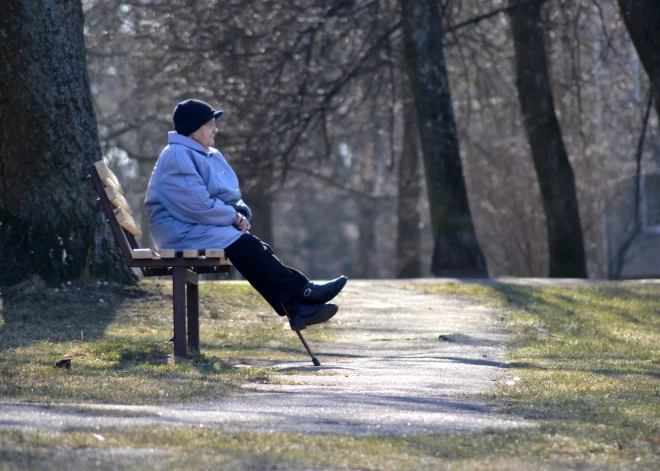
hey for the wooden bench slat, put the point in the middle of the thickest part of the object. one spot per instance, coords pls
(110, 183)
(167, 253)
(117, 199)
(217, 253)
(107, 176)
(127, 221)
(194, 253)
(145, 254)
(191, 253)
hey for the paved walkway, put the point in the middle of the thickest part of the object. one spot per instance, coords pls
(403, 363)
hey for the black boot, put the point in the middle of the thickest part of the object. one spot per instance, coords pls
(301, 315)
(321, 294)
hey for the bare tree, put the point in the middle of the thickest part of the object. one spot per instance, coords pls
(408, 260)
(553, 169)
(300, 81)
(49, 224)
(457, 251)
(642, 19)
(291, 84)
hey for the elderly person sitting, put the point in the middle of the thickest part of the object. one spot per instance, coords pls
(194, 202)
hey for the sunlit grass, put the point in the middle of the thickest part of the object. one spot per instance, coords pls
(118, 340)
(588, 359)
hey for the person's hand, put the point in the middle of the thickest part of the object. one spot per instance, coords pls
(241, 223)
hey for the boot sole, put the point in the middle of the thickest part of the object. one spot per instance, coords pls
(319, 318)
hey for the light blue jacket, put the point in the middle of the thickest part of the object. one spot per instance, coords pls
(192, 197)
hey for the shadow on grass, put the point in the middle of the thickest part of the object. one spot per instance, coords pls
(32, 312)
(474, 361)
(595, 328)
(589, 312)
(340, 355)
(132, 355)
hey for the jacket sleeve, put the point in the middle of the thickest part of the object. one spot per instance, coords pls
(243, 208)
(184, 194)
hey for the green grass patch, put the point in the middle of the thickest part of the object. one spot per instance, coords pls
(118, 341)
(197, 447)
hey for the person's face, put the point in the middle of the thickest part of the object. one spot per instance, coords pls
(206, 134)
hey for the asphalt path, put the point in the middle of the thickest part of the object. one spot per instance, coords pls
(402, 363)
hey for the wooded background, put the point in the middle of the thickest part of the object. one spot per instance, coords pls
(374, 138)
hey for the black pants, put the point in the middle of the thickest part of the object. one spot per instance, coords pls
(256, 261)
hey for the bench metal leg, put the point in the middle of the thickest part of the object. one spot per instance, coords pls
(179, 302)
(192, 288)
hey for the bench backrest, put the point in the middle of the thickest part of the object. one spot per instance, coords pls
(116, 209)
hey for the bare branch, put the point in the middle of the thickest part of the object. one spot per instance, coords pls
(490, 14)
(333, 183)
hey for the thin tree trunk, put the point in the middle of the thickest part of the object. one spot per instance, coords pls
(366, 245)
(365, 262)
(457, 251)
(50, 224)
(553, 169)
(409, 234)
(642, 19)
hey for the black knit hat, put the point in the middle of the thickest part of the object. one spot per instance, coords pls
(190, 115)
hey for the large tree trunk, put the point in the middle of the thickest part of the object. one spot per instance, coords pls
(457, 251)
(50, 224)
(642, 19)
(409, 234)
(553, 168)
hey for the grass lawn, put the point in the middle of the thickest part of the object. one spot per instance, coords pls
(118, 341)
(587, 358)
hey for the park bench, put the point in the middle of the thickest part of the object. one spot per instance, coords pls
(183, 266)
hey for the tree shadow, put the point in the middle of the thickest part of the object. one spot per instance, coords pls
(32, 312)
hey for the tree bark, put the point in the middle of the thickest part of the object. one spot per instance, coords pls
(50, 224)
(553, 169)
(642, 19)
(456, 251)
(409, 234)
